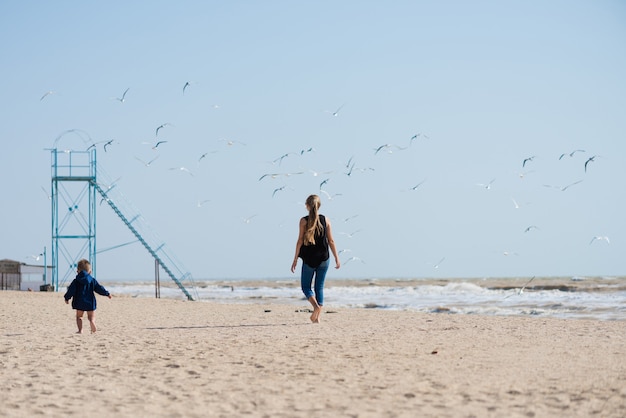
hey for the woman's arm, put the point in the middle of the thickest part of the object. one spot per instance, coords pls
(302, 227)
(331, 243)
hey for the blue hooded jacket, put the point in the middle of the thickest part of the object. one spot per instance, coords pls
(81, 291)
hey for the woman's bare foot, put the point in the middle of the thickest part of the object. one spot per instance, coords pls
(315, 316)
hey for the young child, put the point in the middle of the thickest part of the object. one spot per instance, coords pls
(81, 291)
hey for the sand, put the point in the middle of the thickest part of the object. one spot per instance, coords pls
(176, 358)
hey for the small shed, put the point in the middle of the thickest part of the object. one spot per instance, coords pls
(15, 275)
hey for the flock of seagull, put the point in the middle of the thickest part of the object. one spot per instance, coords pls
(349, 168)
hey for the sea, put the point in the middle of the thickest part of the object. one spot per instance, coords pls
(600, 298)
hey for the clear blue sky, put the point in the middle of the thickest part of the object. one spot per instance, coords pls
(486, 84)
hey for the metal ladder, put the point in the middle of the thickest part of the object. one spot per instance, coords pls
(144, 234)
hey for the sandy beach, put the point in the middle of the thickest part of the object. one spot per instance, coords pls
(184, 359)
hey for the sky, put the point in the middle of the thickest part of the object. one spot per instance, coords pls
(446, 139)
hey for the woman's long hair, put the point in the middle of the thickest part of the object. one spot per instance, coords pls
(313, 223)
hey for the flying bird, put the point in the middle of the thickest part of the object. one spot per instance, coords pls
(231, 142)
(527, 160)
(353, 259)
(530, 228)
(46, 94)
(486, 186)
(248, 219)
(147, 164)
(123, 98)
(202, 202)
(336, 112)
(185, 169)
(329, 196)
(187, 84)
(278, 190)
(439, 263)
(417, 185)
(591, 159)
(563, 188)
(604, 238)
(158, 143)
(351, 234)
(161, 127)
(571, 154)
(522, 288)
(107, 144)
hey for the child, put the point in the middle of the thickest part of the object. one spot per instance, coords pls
(81, 291)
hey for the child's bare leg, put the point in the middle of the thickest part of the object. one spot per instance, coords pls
(79, 321)
(91, 316)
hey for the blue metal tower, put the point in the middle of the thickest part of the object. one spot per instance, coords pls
(73, 212)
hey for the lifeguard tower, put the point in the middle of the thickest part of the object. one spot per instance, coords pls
(77, 183)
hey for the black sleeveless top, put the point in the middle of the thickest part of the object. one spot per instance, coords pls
(314, 254)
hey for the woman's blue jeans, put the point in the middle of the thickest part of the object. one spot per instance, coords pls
(306, 279)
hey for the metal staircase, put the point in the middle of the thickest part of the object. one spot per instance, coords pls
(144, 234)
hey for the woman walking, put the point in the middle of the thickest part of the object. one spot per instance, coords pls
(314, 240)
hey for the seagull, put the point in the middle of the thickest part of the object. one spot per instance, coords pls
(349, 162)
(158, 143)
(591, 159)
(522, 288)
(203, 156)
(571, 154)
(282, 157)
(185, 169)
(323, 183)
(527, 159)
(147, 164)
(248, 219)
(349, 218)
(563, 188)
(530, 228)
(515, 203)
(600, 239)
(107, 144)
(161, 127)
(439, 263)
(329, 196)
(278, 190)
(353, 259)
(123, 98)
(345, 250)
(275, 175)
(350, 235)
(46, 94)
(231, 142)
(486, 186)
(387, 147)
(202, 202)
(523, 174)
(336, 112)
(311, 149)
(417, 185)
(187, 84)
(352, 168)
